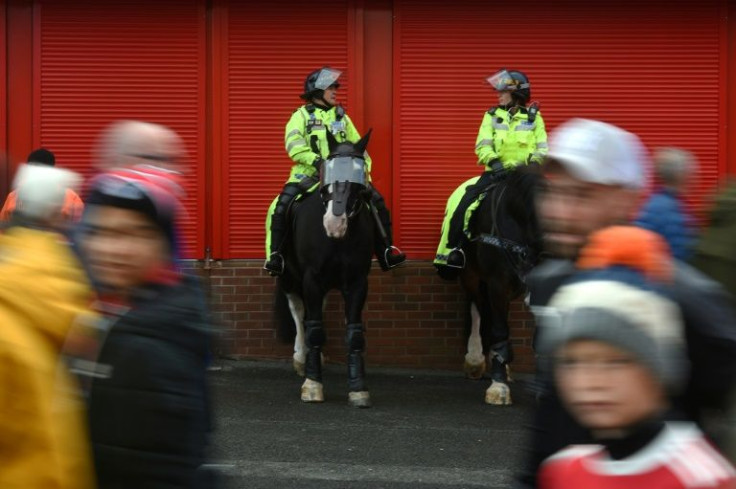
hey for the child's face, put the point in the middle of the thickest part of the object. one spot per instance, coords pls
(605, 388)
(122, 246)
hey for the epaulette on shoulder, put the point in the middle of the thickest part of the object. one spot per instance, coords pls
(493, 109)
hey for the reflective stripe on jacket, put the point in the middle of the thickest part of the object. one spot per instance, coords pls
(304, 127)
(511, 138)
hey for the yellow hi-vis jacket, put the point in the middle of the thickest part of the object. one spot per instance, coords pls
(513, 139)
(307, 131)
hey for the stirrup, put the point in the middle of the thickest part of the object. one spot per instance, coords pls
(388, 252)
(462, 255)
(270, 267)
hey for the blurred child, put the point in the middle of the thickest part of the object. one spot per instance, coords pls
(148, 403)
(618, 355)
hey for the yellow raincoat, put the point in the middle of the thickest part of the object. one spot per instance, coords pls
(43, 437)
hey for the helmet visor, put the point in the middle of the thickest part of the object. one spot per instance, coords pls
(326, 78)
(502, 81)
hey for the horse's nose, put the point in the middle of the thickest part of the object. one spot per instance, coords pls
(335, 226)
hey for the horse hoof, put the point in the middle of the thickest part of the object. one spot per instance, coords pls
(299, 368)
(360, 399)
(474, 371)
(312, 391)
(498, 394)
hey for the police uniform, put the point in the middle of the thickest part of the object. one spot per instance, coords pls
(306, 144)
(507, 138)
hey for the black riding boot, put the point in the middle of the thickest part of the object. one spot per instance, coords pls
(275, 261)
(456, 235)
(388, 255)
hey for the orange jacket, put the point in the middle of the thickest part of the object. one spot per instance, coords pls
(71, 210)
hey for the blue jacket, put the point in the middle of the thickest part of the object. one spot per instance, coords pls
(664, 214)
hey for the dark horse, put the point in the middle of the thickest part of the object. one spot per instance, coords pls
(331, 247)
(505, 246)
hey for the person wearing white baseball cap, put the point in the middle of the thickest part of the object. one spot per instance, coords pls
(595, 177)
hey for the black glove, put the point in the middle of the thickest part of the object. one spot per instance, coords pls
(317, 164)
(496, 167)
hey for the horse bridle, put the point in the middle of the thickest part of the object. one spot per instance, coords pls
(340, 190)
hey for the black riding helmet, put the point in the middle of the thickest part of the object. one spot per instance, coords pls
(515, 82)
(318, 80)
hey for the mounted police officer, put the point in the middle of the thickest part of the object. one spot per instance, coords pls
(306, 144)
(511, 134)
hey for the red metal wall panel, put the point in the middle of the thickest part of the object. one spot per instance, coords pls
(377, 86)
(271, 47)
(656, 68)
(729, 92)
(96, 62)
(20, 82)
(3, 96)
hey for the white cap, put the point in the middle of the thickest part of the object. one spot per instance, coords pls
(41, 189)
(598, 152)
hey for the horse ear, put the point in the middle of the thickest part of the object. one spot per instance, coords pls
(361, 145)
(331, 141)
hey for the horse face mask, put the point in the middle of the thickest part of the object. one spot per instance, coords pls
(343, 177)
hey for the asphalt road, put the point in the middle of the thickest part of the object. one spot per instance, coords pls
(427, 429)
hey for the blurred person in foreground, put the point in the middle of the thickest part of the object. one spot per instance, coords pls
(595, 173)
(129, 143)
(665, 212)
(43, 291)
(617, 351)
(72, 207)
(148, 402)
(715, 251)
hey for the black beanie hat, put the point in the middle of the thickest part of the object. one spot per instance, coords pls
(113, 191)
(42, 156)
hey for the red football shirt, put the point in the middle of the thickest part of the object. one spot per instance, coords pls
(678, 458)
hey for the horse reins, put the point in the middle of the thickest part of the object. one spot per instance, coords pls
(516, 254)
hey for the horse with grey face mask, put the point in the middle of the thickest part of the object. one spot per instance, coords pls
(332, 236)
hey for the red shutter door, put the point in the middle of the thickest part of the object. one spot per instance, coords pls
(655, 68)
(271, 47)
(97, 62)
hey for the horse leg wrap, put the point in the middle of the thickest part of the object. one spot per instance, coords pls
(314, 334)
(500, 356)
(356, 369)
(315, 338)
(355, 339)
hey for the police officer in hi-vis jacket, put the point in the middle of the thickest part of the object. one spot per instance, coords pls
(306, 144)
(511, 134)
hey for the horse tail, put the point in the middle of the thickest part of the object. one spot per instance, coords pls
(285, 324)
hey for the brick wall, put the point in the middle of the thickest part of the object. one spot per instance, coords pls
(413, 318)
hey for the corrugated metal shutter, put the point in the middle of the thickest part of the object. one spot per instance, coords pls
(656, 68)
(271, 47)
(97, 62)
